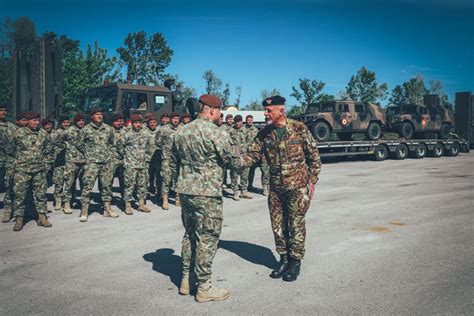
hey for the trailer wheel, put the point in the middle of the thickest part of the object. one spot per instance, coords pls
(454, 150)
(406, 130)
(374, 131)
(380, 153)
(420, 151)
(401, 152)
(321, 131)
(438, 150)
(444, 131)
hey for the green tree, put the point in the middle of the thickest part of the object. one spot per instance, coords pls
(238, 93)
(187, 92)
(411, 91)
(436, 87)
(256, 105)
(309, 92)
(145, 58)
(213, 83)
(6, 61)
(99, 66)
(226, 94)
(397, 95)
(363, 87)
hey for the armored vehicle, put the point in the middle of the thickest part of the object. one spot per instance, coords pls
(430, 121)
(344, 118)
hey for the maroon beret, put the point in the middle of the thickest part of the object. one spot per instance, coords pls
(249, 116)
(32, 115)
(63, 118)
(275, 100)
(20, 116)
(164, 115)
(95, 110)
(228, 116)
(78, 117)
(46, 122)
(238, 118)
(135, 118)
(151, 117)
(185, 115)
(116, 117)
(210, 100)
(174, 114)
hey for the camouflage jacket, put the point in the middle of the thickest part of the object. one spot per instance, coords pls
(31, 148)
(164, 139)
(96, 142)
(71, 142)
(202, 150)
(240, 137)
(49, 159)
(57, 138)
(152, 149)
(226, 127)
(7, 146)
(117, 150)
(252, 130)
(135, 144)
(294, 161)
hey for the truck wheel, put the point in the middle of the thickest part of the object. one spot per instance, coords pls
(401, 152)
(321, 131)
(345, 136)
(406, 130)
(374, 131)
(438, 150)
(380, 153)
(444, 131)
(454, 150)
(420, 151)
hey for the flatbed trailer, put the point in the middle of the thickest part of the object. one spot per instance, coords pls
(396, 149)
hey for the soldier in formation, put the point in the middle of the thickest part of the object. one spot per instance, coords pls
(48, 126)
(7, 161)
(152, 161)
(116, 158)
(57, 137)
(239, 178)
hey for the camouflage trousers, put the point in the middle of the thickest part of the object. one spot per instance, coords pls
(265, 168)
(21, 184)
(154, 176)
(287, 214)
(135, 178)
(202, 220)
(49, 168)
(92, 172)
(169, 176)
(72, 172)
(239, 179)
(118, 171)
(58, 180)
(6, 174)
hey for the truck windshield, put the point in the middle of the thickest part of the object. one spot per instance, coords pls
(409, 109)
(312, 108)
(327, 107)
(393, 110)
(103, 98)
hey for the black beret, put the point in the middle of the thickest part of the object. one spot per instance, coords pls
(275, 100)
(238, 118)
(174, 114)
(210, 100)
(117, 116)
(46, 121)
(165, 115)
(63, 118)
(249, 116)
(95, 110)
(78, 117)
(32, 115)
(185, 115)
(228, 116)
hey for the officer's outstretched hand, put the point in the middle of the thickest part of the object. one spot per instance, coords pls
(311, 191)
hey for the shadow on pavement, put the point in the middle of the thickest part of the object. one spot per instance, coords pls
(253, 253)
(166, 262)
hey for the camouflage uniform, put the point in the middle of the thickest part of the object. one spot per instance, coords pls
(96, 142)
(57, 137)
(201, 150)
(226, 128)
(252, 132)
(240, 137)
(136, 144)
(169, 172)
(117, 158)
(294, 164)
(49, 162)
(7, 161)
(31, 148)
(75, 163)
(153, 161)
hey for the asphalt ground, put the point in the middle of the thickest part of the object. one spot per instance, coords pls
(391, 237)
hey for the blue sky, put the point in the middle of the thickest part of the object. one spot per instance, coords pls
(270, 44)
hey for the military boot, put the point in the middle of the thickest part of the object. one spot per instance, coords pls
(266, 191)
(43, 220)
(128, 208)
(18, 224)
(165, 205)
(293, 270)
(108, 212)
(57, 204)
(67, 208)
(7, 215)
(184, 288)
(207, 292)
(281, 268)
(142, 207)
(84, 212)
(246, 194)
(177, 201)
(236, 196)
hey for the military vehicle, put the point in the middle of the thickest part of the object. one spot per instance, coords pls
(344, 118)
(409, 120)
(127, 99)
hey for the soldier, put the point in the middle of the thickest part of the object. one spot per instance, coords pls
(96, 142)
(7, 161)
(240, 137)
(229, 120)
(32, 145)
(252, 132)
(21, 120)
(165, 119)
(294, 168)
(75, 162)
(164, 139)
(201, 150)
(48, 126)
(136, 143)
(59, 160)
(152, 160)
(220, 120)
(185, 118)
(117, 151)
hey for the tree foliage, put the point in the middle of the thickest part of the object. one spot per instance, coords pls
(6, 61)
(309, 92)
(238, 93)
(256, 105)
(226, 94)
(436, 87)
(411, 91)
(213, 83)
(363, 87)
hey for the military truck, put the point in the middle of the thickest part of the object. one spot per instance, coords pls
(410, 120)
(343, 117)
(127, 99)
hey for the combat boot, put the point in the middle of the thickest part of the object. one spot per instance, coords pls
(7, 215)
(84, 212)
(128, 208)
(43, 220)
(108, 212)
(266, 191)
(18, 224)
(246, 194)
(184, 288)
(293, 270)
(177, 201)
(281, 268)
(236, 196)
(57, 204)
(207, 292)
(142, 207)
(165, 205)
(67, 208)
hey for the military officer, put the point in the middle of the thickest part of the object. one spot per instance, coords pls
(31, 146)
(164, 119)
(185, 118)
(7, 161)
(59, 160)
(116, 159)
(239, 178)
(294, 162)
(201, 150)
